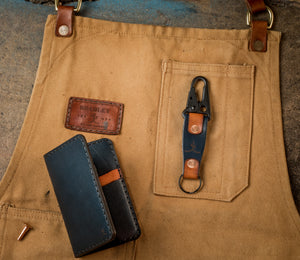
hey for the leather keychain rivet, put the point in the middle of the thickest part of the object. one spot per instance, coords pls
(63, 30)
(191, 163)
(24, 231)
(195, 129)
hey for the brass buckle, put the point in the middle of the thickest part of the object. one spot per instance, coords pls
(76, 10)
(271, 17)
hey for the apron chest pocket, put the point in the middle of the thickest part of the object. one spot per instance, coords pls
(226, 160)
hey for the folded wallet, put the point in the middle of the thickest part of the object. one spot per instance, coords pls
(92, 195)
(115, 191)
(80, 197)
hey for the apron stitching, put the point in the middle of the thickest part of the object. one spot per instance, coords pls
(223, 141)
(252, 96)
(160, 104)
(192, 30)
(204, 197)
(167, 114)
(216, 74)
(161, 36)
(230, 68)
(37, 211)
(50, 55)
(52, 218)
(165, 89)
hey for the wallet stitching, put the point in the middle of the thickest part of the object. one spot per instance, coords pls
(118, 128)
(95, 184)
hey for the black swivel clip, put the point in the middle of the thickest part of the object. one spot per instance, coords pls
(193, 105)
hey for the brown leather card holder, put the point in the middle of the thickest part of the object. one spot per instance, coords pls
(94, 116)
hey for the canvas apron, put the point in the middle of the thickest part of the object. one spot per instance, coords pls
(245, 208)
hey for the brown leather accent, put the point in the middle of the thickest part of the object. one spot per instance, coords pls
(95, 116)
(191, 169)
(64, 21)
(195, 123)
(258, 40)
(256, 6)
(110, 177)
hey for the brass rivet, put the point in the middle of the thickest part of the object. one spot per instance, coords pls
(192, 163)
(63, 30)
(24, 231)
(258, 45)
(195, 129)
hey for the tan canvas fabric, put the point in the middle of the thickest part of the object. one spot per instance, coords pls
(245, 209)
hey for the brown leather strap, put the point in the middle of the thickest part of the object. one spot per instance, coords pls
(256, 6)
(109, 177)
(195, 123)
(191, 169)
(64, 21)
(258, 40)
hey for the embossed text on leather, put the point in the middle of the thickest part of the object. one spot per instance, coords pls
(95, 116)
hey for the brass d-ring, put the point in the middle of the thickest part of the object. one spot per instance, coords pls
(76, 10)
(180, 181)
(271, 17)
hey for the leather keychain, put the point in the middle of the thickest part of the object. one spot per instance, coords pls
(196, 115)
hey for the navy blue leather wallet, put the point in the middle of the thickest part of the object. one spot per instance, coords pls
(92, 195)
(80, 196)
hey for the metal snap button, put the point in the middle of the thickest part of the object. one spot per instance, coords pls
(258, 45)
(63, 30)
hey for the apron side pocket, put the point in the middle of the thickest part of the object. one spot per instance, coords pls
(43, 241)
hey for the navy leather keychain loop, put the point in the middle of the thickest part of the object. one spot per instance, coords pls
(196, 115)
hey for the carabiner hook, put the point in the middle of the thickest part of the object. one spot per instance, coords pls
(193, 105)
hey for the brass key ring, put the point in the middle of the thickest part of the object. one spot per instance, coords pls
(76, 10)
